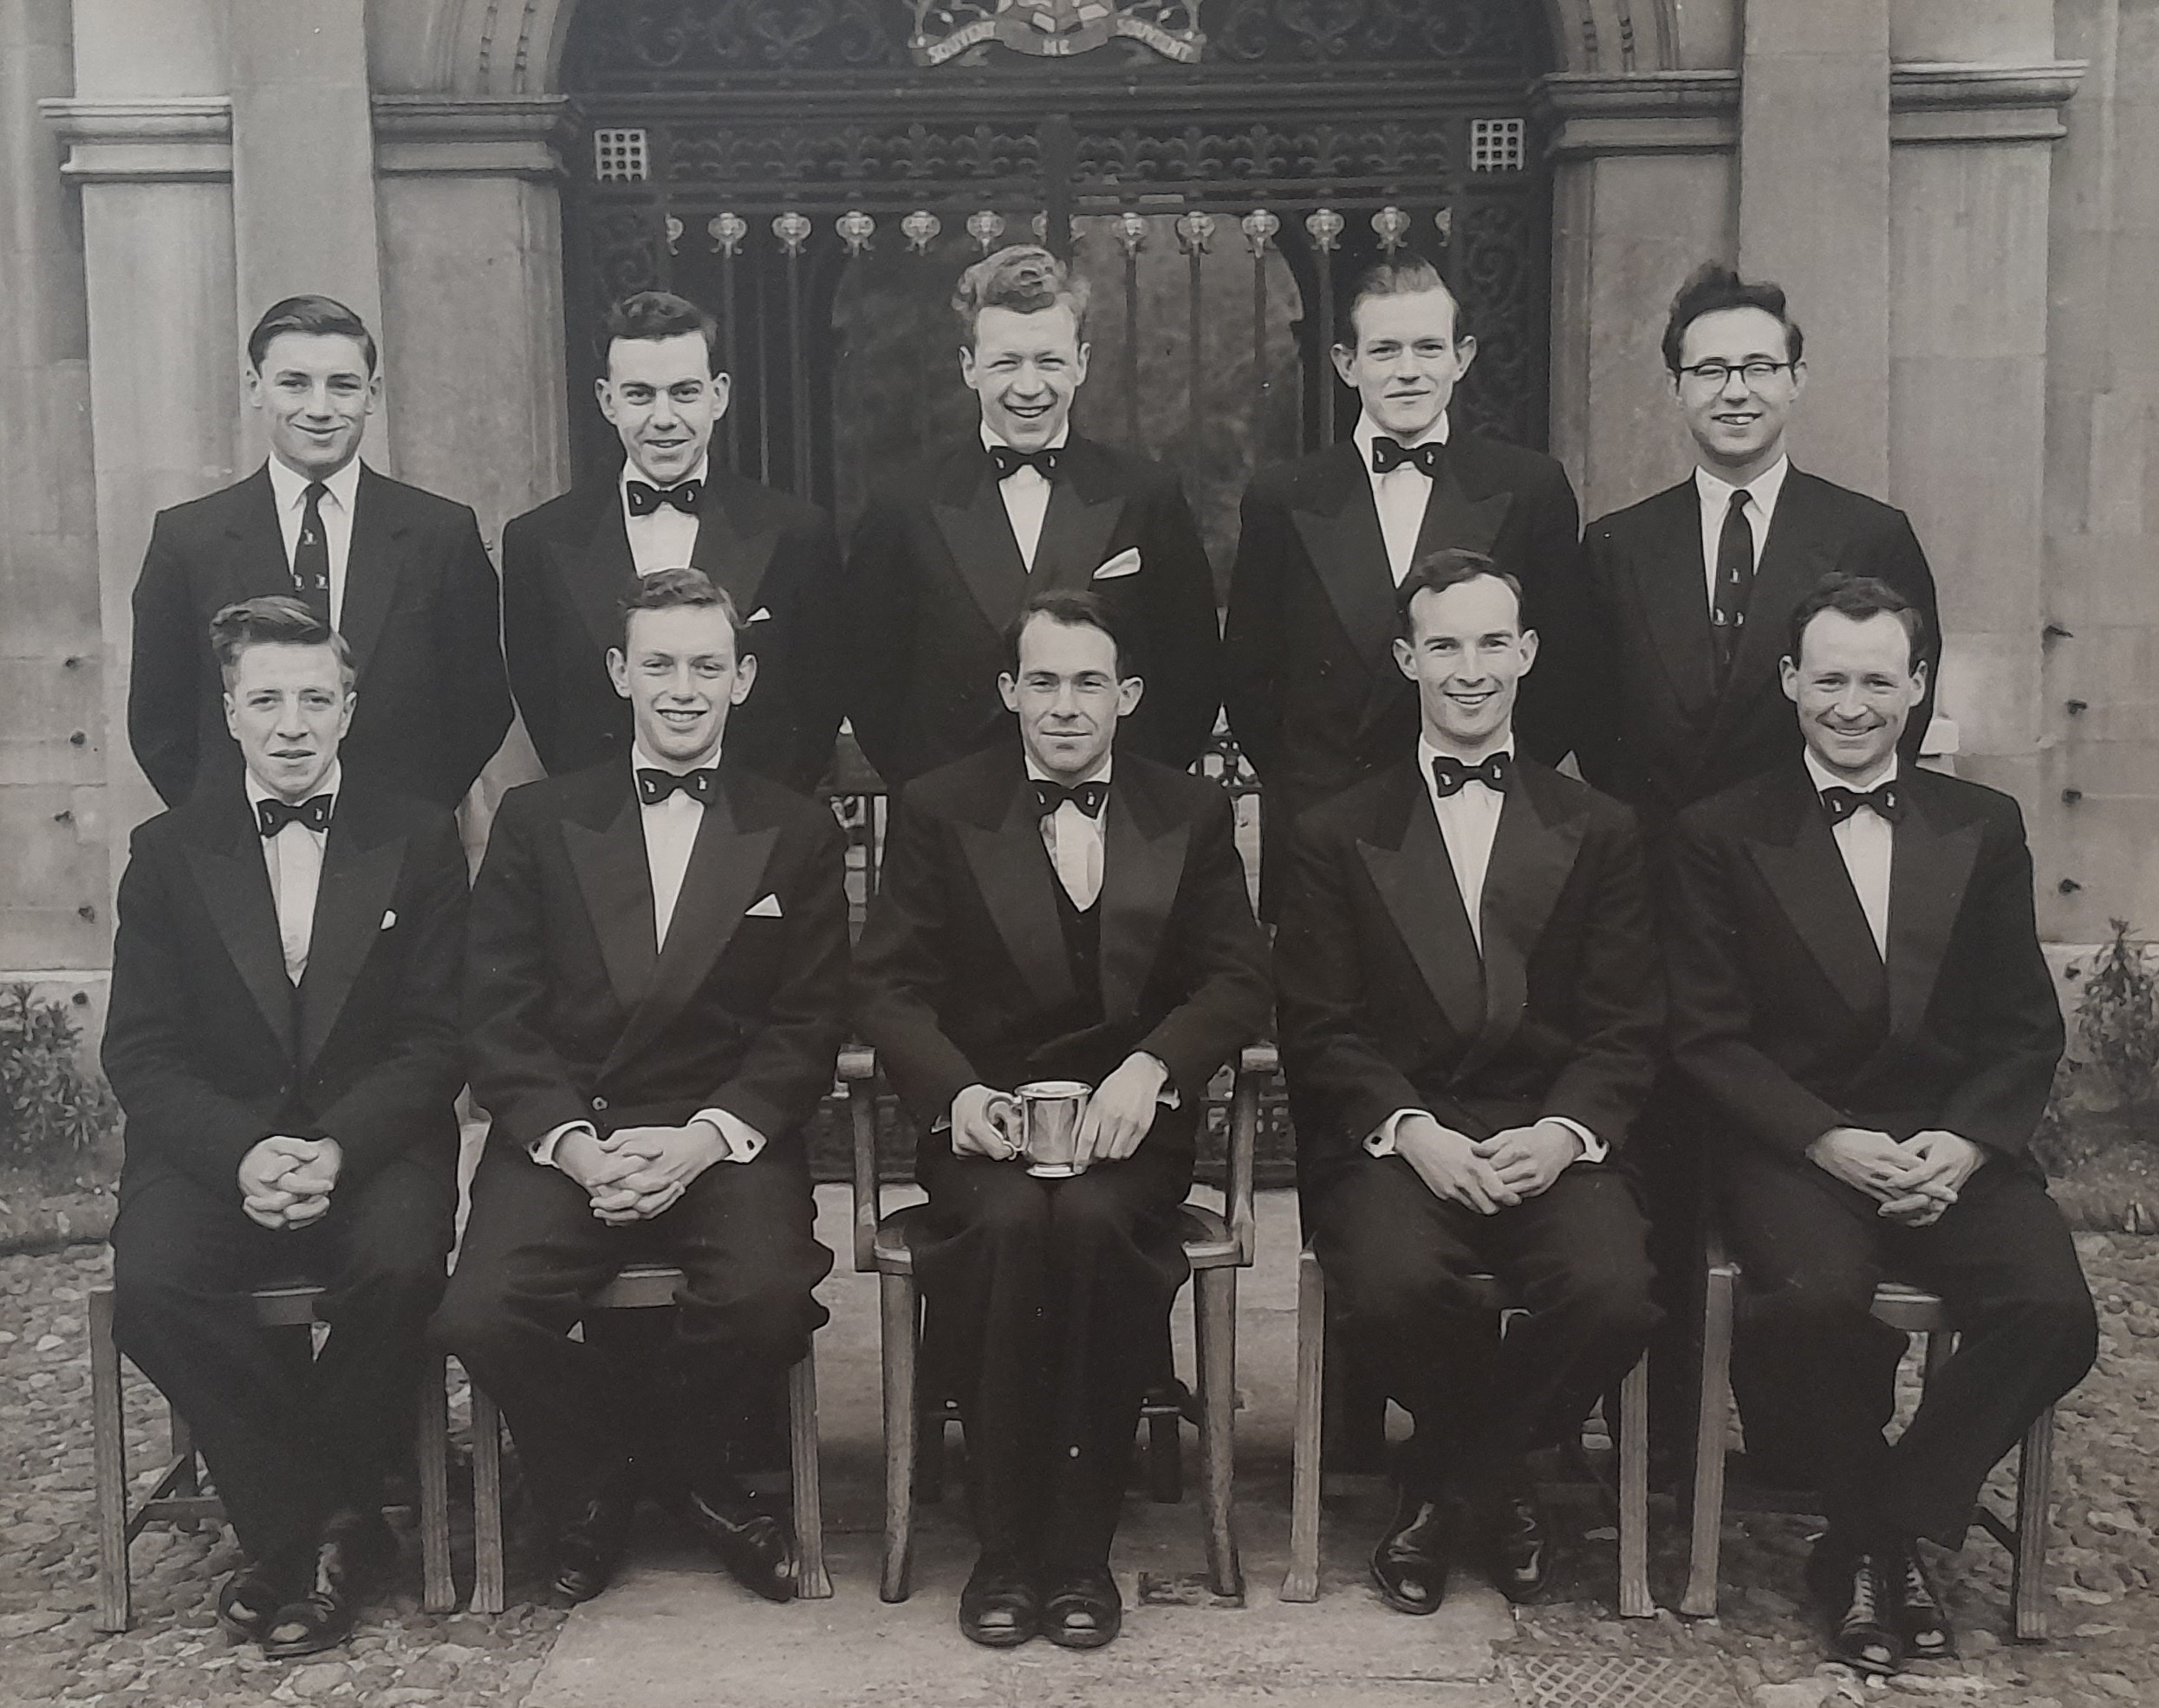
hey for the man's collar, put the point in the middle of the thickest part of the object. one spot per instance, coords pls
(1825, 778)
(1036, 774)
(332, 780)
(1427, 752)
(992, 437)
(631, 472)
(1367, 430)
(1763, 489)
(288, 486)
(642, 760)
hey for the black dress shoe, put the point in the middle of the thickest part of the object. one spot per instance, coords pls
(757, 1548)
(1000, 1608)
(1915, 1611)
(248, 1600)
(356, 1549)
(1410, 1566)
(588, 1549)
(1520, 1549)
(1850, 1586)
(1082, 1609)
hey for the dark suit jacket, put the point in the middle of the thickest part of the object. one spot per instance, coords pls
(566, 568)
(1784, 1015)
(1661, 734)
(1315, 700)
(419, 614)
(208, 1044)
(935, 577)
(962, 976)
(1385, 1003)
(573, 1014)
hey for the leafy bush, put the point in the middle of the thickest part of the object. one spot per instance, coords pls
(2117, 1018)
(52, 1111)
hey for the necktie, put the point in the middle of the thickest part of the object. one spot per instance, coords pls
(1389, 454)
(1448, 776)
(1009, 462)
(311, 556)
(1839, 803)
(1088, 797)
(645, 498)
(271, 817)
(1735, 581)
(700, 785)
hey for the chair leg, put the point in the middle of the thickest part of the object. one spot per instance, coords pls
(812, 1581)
(439, 1590)
(1634, 1601)
(1301, 1583)
(2027, 1576)
(1711, 1423)
(109, 1453)
(897, 1306)
(488, 1589)
(1215, 1296)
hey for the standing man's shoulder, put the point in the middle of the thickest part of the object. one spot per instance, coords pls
(1303, 482)
(1125, 469)
(1516, 467)
(1647, 521)
(961, 788)
(1750, 808)
(414, 505)
(214, 510)
(1853, 510)
(1184, 793)
(1573, 798)
(761, 800)
(753, 502)
(567, 515)
(1953, 801)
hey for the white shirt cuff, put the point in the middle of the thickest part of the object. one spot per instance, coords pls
(542, 1148)
(1594, 1149)
(743, 1140)
(1380, 1142)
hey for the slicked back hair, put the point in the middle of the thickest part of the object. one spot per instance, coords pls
(656, 314)
(274, 620)
(1712, 288)
(311, 314)
(1073, 608)
(1404, 275)
(1857, 597)
(1025, 278)
(1436, 571)
(668, 589)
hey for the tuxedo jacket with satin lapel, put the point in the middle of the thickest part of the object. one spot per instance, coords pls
(421, 615)
(1663, 735)
(1784, 1013)
(962, 975)
(573, 1014)
(566, 567)
(1315, 699)
(1386, 1004)
(208, 1044)
(934, 578)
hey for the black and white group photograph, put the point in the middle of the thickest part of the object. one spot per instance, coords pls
(994, 854)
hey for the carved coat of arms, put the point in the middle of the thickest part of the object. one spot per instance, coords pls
(944, 29)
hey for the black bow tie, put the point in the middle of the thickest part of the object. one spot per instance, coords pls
(1010, 461)
(700, 785)
(271, 817)
(1839, 803)
(1087, 796)
(1449, 775)
(645, 498)
(1389, 454)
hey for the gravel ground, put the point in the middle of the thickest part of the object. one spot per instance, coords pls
(2102, 1571)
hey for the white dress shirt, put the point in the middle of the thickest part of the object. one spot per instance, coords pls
(289, 489)
(1469, 821)
(1401, 494)
(1716, 502)
(1026, 496)
(1868, 843)
(1073, 839)
(293, 859)
(665, 539)
(671, 830)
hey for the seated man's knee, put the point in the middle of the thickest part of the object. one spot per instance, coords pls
(472, 1318)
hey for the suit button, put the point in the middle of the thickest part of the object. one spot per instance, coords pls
(599, 1106)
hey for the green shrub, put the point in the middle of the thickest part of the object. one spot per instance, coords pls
(2117, 1018)
(52, 1110)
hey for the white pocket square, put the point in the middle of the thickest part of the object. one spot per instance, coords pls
(767, 909)
(388, 919)
(1126, 562)
(761, 613)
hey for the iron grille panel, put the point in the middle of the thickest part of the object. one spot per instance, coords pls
(1618, 1681)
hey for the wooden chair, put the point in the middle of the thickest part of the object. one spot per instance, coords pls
(178, 1499)
(648, 1287)
(1915, 1312)
(1216, 1245)
(1631, 1438)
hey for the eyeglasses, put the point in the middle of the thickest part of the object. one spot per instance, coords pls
(1718, 375)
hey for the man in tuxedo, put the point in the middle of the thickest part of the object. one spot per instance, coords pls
(653, 1002)
(1044, 919)
(1470, 1008)
(946, 554)
(1857, 991)
(1315, 698)
(399, 573)
(568, 565)
(283, 1037)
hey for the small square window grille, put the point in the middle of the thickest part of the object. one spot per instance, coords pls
(618, 157)
(1496, 144)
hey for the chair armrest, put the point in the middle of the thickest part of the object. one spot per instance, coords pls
(1257, 1064)
(858, 1073)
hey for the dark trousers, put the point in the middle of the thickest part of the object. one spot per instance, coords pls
(1047, 1304)
(287, 1440)
(1397, 1258)
(1813, 1249)
(742, 1236)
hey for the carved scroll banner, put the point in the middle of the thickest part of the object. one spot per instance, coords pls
(944, 29)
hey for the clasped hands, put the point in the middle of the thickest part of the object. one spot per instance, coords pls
(986, 1123)
(1485, 1175)
(635, 1173)
(286, 1182)
(1913, 1182)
